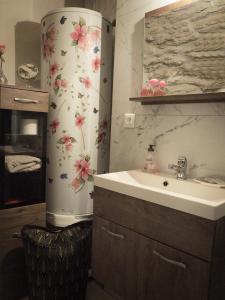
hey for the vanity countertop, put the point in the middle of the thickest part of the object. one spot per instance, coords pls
(164, 189)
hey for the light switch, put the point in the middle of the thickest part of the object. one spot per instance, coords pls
(129, 120)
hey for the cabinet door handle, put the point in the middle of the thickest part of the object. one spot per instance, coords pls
(16, 235)
(117, 235)
(170, 261)
(26, 101)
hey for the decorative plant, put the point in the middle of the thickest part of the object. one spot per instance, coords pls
(154, 87)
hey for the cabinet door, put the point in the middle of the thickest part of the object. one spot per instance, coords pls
(113, 261)
(22, 158)
(168, 274)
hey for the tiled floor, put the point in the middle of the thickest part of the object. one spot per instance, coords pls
(94, 292)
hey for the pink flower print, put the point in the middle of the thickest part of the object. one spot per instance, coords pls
(87, 82)
(79, 33)
(79, 121)
(96, 62)
(69, 146)
(57, 83)
(51, 34)
(95, 35)
(2, 49)
(54, 125)
(83, 167)
(78, 165)
(53, 69)
(76, 183)
(64, 83)
(66, 139)
(51, 49)
(46, 51)
(85, 170)
(79, 36)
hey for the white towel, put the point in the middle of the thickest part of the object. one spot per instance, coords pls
(22, 163)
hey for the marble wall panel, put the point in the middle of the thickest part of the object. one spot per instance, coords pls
(194, 130)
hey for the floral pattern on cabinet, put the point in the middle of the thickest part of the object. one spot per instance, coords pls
(78, 131)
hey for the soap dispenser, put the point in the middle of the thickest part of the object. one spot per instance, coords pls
(150, 165)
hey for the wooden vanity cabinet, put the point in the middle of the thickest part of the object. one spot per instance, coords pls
(144, 251)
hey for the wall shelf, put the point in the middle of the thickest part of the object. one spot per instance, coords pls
(175, 99)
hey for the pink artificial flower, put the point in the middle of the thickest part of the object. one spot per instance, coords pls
(162, 84)
(79, 121)
(54, 125)
(153, 82)
(69, 146)
(64, 83)
(95, 35)
(76, 183)
(54, 69)
(145, 92)
(96, 62)
(87, 82)
(159, 92)
(2, 49)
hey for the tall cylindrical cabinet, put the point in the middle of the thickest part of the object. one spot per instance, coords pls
(76, 70)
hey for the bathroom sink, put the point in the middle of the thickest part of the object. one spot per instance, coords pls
(164, 189)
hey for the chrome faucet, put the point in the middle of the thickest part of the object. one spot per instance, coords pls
(180, 168)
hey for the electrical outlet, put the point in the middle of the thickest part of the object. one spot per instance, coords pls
(129, 120)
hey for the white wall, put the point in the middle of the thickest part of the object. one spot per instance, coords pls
(194, 130)
(13, 11)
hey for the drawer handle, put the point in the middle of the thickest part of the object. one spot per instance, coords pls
(173, 262)
(117, 235)
(16, 235)
(26, 101)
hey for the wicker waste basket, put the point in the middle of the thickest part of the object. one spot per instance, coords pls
(57, 261)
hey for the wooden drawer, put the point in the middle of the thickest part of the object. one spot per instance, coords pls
(191, 234)
(23, 99)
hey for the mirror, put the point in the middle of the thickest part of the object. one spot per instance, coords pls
(184, 46)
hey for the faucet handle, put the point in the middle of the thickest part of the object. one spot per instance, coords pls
(182, 161)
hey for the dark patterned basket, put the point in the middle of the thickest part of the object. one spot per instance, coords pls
(57, 261)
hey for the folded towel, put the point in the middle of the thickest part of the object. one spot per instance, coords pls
(22, 163)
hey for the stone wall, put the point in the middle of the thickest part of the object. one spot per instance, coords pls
(185, 47)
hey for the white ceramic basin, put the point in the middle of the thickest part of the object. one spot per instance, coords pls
(184, 195)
